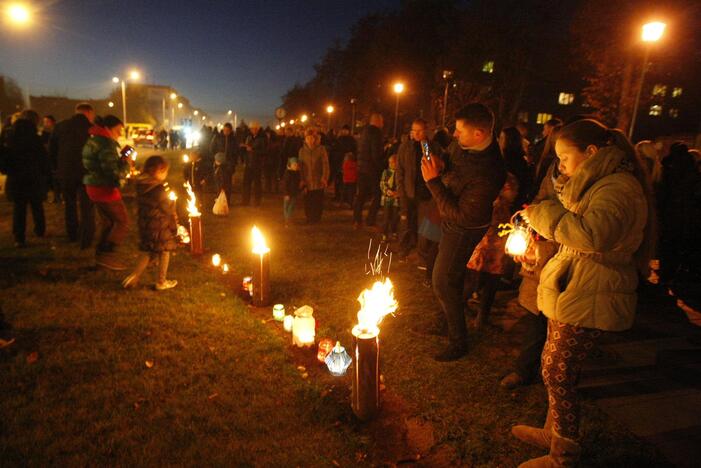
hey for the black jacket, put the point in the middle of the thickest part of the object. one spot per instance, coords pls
(464, 193)
(66, 149)
(195, 172)
(227, 145)
(259, 144)
(343, 145)
(291, 181)
(26, 162)
(370, 151)
(158, 222)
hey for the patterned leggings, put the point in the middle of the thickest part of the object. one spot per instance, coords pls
(567, 346)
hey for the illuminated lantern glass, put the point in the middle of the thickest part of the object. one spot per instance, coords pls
(518, 241)
(247, 285)
(279, 312)
(338, 360)
(303, 327)
(216, 260)
(287, 323)
(325, 347)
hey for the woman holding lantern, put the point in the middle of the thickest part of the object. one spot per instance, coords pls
(603, 220)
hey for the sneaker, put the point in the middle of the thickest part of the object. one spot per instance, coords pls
(452, 353)
(130, 281)
(167, 284)
(421, 267)
(110, 261)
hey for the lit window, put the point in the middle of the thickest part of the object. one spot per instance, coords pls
(656, 110)
(523, 116)
(543, 117)
(488, 67)
(674, 113)
(676, 92)
(659, 90)
(566, 99)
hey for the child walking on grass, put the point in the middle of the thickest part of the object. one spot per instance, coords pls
(390, 199)
(158, 223)
(291, 181)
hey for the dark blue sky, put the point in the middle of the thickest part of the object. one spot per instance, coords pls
(241, 55)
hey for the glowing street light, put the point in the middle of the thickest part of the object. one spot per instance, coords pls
(173, 96)
(110, 104)
(303, 118)
(652, 32)
(133, 75)
(398, 90)
(230, 112)
(180, 105)
(18, 14)
(329, 110)
(196, 112)
(115, 79)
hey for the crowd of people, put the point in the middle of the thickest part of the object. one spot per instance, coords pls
(598, 209)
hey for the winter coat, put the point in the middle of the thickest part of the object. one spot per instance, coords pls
(599, 221)
(489, 255)
(66, 149)
(409, 168)
(290, 182)
(103, 164)
(26, 163)
(157, 219)
(350, 171)
(370, 151)
(259, 152)
(464, 193)
(388, 183)
(195, 172)
(227, 145)
(341, 147)
(314, 165)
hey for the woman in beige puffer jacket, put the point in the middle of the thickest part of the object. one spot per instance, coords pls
(602, 219)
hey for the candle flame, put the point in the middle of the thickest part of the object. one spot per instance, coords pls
(517, 242)
(191, 201)
(225, 268)
(216, 260)
(259, 245)
(375, 304)
(172, 196)
(184, 234)
(186, 158)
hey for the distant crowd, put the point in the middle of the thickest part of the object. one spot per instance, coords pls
(600, 213)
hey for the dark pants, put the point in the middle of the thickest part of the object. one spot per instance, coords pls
(314, 205)
(527, 364)
(114, 224)
(19, 216)
(252, 177)
(454, 250)
(349, 189)
(271, 180)
(227, 184)
(391, 219)
(368, 187)
(428, 251)
(337, 181)
(486, 284)
(410, 229)
(81, 228)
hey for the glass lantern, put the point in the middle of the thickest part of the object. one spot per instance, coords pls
(338, 360)
(303, 327)
(287, 323)
(279, 312)
(325, 347)
(518, 241)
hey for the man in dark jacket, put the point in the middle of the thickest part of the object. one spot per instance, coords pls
(413, 191)
(343, 145)
(370, 165)
(464, 195)
(225, 142)
(66, 154)
(256, 151)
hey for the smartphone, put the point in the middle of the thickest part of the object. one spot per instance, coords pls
(424, 148)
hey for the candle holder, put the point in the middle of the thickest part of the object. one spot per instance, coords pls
(365, 393)
(304, 327)
(261, 273)
(338, 360)
(325, 347)
(196, 237)
(279, 312)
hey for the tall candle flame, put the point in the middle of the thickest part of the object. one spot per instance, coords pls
(259, 245)
(216, 260)
(191, 201)
(172, 196)
(375, 304)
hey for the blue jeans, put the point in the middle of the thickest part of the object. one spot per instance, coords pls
(288, 206)
(454, 250)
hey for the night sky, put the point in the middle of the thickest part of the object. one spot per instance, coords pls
(240, 55)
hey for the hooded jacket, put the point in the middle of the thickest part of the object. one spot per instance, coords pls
(103, 165)
(66, 148)
(599, 220)
(27, 164)
(314, 165)
(157, 219)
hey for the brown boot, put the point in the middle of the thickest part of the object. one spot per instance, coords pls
(563, 453)
(533, 435)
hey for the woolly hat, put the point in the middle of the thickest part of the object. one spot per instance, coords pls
(220, 158)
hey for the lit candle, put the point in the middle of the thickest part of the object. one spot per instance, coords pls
(216, 260)
(287, 323)
(195, 217)
(261, 274)
(225, 268)
(279, 312)
(172, 196)
(518, 241)
(303, 327)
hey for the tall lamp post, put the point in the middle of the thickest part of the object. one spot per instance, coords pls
(652, 32)
(447, 76)
(173, 97)
(134, 75)
(329, 110)
(398, 89)
(353, 101)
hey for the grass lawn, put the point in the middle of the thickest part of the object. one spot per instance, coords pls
(223, 385)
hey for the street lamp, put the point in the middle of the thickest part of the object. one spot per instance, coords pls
(18, 14)
(652, 32)
(329, 110)
(133, 75)
(398, 89)
(447, 76)
(353, 101)
(110, 104)
(303, 118)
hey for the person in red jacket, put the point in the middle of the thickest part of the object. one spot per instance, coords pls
(350, 178)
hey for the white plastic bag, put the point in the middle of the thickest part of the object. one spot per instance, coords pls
(221, 206)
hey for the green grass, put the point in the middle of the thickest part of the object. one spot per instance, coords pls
(225, 388)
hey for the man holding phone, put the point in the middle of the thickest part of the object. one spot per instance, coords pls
(413, 192)
(464, 195)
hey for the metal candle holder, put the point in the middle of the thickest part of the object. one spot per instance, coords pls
(365, 397)
(261, 281)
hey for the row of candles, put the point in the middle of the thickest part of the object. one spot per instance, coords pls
(375, 304)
